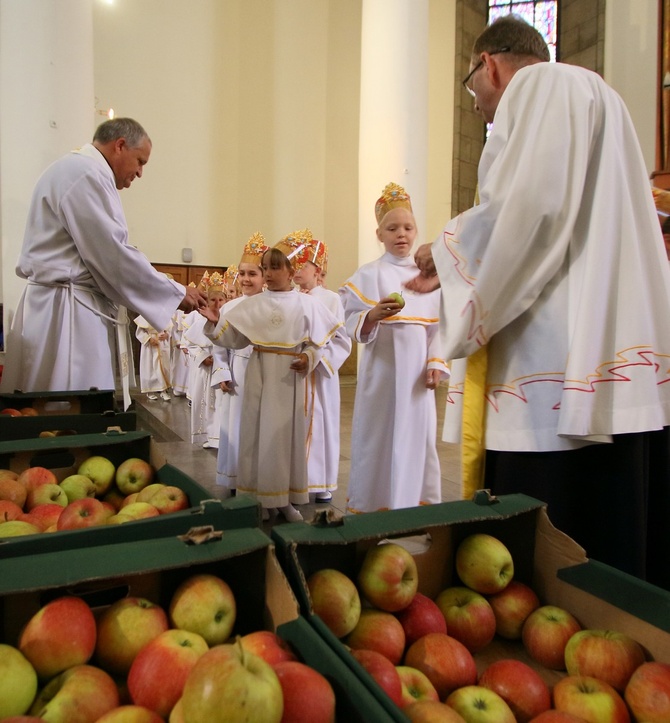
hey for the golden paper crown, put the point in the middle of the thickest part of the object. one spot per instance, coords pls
(393, 196)
(192, 284)
(296, 247)
(254, 249)
(216, 283)
(204, 282)
(318, 254)
(230, 277)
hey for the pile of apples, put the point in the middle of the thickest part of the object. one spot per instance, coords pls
(99, 493)
(137, 662)
(421, 650)
(24, 412)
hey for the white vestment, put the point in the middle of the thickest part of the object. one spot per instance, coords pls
(201, 392)
(280, 325)
(79, 266)
(179, 361)
(154, 358)
(560, 270)
(394, 460)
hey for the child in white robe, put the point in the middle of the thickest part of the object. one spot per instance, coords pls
(179, 357)
(250, 281)
(290, 332)
(323, 440)
(394, 462)
(154, 359)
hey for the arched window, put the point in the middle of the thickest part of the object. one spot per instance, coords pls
(541, 14)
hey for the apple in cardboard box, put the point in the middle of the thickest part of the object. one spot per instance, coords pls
(18, 528)
(44, 495)
(18, 682)
(446, 661)
(8, 473)
(77, 487)
(546, 633)
(82, 513)
(480, 705)
(130, 714)
(268, 646)
(138, 511)
(34, 476)
(159, 671)
(484, 563)
(13, 490)
(607, 655)
(416, 686)
(511, 606)
(431, 711)
(521, 687)
(80, 694)
(335, 600)
(60, 635)
(557, 716)
(382, 670)
(468, 615)
(388, 577)
(9, 511)
(228, 683)
(378, 630)
(123, 629)
(308, 696)
(590, 699)
(648, 692)
(100, 471)
(133, 475)
(420, 617)
(46, 516)
(204, 604)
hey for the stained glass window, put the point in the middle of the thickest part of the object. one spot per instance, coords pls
(541, 14)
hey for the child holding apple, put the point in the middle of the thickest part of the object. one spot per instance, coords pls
(394, 460)
(290, 332)
(323, 443)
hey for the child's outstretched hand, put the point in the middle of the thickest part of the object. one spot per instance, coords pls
(210, 314)
(300, 363)
(432, 378)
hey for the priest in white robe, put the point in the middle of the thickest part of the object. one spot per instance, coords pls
(560, 274)
(81, 271)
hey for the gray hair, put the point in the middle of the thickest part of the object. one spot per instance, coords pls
(514, 33)
(127, 128)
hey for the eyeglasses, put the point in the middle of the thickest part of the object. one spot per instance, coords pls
(467, 78)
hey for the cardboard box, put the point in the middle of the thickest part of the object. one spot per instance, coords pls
(545, 558)
(153, 569)
(63, 455)
(79, 412)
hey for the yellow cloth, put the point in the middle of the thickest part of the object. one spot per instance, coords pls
(474, 417)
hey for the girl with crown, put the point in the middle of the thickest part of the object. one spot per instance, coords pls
(394, 460)
(290, 333)
(249, 279)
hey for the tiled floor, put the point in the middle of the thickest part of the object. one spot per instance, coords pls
(169, 424)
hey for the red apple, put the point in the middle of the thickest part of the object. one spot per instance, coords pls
(169, 499)
(101, 471)
(114, 497)
(85, 512)
(308, 696)
(383, 672)
(546, 633)
(77, 487)
(335, 600)
(480, 705)
(446, 661)
(557, 716)
(34, 476)
(123, 629)
(431, 711)
(47, 515)
(61, 634)
(13, 490)
(469, 617)
(268, 646)
(133, 475)
(44, 495)
(130, 714)
(519, 686)
(204, 604)
(381, 631)
(648, 693)
(604, 654)
(18, 682)
(81, 694)
(9, 511)
(484, 563)
(168, 657)
(10, 412)
(511, 606)
(590, 699)
(388, 577)
(420, 617)
(29, 412)
(228, 684)
(416, 686)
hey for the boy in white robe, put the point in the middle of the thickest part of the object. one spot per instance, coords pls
(323, 440)
(154, 359)
(179, 357)
(290, 332)
(394, 462)
(560, 274)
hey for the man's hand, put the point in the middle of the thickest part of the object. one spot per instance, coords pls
(193, 299)
(423, 258)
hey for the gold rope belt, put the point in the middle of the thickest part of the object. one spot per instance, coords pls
(265, 350)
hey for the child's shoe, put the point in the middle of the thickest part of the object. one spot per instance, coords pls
(290, 513)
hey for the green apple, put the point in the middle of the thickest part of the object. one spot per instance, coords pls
(18, 682)
(397, 298)
(46, 494)
(590, 699)
(228, 683)
(484, 563)
(101, 471)
(17, 528)
(78, 486)
(480, 705)
(131, 714)
(335, 600)
(133, 475)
